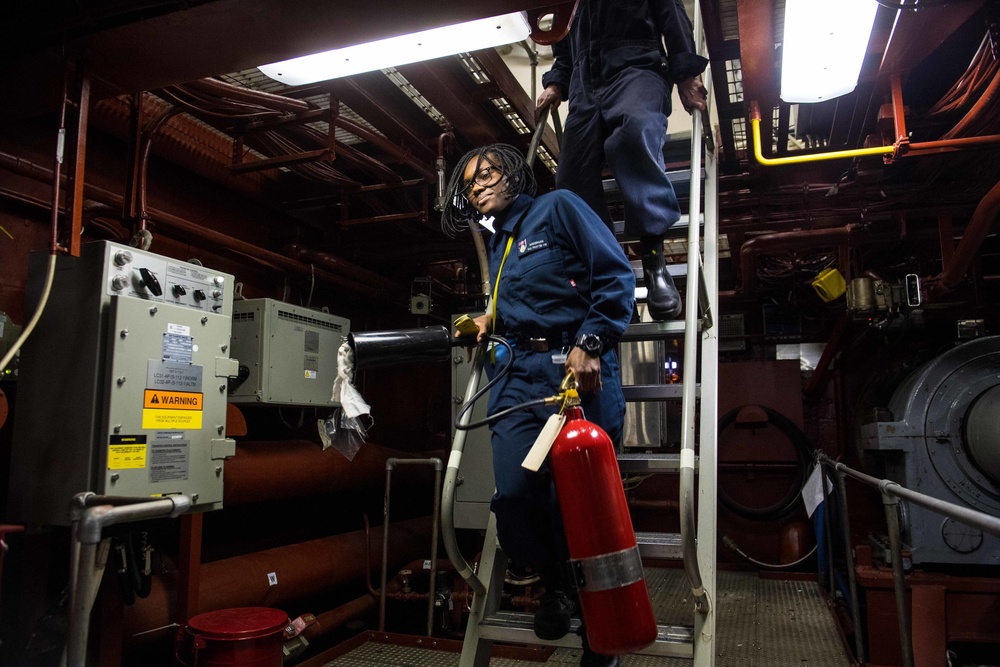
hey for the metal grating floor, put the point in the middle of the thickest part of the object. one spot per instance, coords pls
(762, 623)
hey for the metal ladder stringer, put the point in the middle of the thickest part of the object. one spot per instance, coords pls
(705, 551)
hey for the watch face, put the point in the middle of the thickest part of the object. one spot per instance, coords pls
(590, 343)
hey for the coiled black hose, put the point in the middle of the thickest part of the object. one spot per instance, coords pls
(804, 452)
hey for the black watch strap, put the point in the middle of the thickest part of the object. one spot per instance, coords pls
(590, 343)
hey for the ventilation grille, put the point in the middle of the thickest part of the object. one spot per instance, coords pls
(475, 70)
(732, 333)
(323, 324)
(243, 317)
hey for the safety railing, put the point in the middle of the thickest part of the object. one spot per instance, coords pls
(892, 493)
(90, 515)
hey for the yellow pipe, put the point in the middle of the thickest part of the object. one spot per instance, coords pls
(815, 157)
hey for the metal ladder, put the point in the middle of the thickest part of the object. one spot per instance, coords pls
(696, 543)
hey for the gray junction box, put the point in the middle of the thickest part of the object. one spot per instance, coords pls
(122, 386)
(290, 352)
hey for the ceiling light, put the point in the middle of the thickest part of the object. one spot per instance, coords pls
(401, 50)
(823, 47)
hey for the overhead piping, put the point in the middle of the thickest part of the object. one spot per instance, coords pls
(788, 241)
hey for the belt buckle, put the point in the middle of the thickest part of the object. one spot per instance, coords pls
(539, 344)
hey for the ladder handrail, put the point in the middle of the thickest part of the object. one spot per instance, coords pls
(691, 317)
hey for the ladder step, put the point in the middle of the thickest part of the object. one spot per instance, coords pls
(677, 230)
(648, 463)
(678, 270)
(656, 392)
(516, 627)
(660, 545)
(644, 331)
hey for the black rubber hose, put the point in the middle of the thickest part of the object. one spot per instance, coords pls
(803, 450)
(475, 397)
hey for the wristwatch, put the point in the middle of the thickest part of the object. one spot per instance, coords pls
(590, 343)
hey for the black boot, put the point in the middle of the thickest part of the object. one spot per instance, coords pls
(558, 603)
(591, 659)
(662, 297)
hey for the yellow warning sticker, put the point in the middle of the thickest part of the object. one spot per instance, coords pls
(122, 457)
(179, 419)
(172, 400)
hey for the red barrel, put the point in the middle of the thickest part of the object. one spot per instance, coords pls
(617, 611)
(239, 637)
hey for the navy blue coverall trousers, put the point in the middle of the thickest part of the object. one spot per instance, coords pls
(565, 275)
(613, 69)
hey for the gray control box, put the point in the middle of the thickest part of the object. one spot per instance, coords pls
(474, 493)
(290, 352)
(122, 387)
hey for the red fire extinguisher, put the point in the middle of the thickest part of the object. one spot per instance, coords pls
(617, 613)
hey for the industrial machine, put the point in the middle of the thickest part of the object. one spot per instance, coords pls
(940, 439)
(287, 353)
(122, 385)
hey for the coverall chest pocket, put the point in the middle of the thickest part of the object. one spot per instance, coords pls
(540, 276)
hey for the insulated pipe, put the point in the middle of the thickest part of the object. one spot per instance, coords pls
(275, 470)
(329, 621)
(305, 570)
(787, 241)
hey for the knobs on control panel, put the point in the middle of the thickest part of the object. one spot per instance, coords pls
(179, 290)
(150, 281)
(123, 257)
(199, 295)
(216, 294)
(118, 283)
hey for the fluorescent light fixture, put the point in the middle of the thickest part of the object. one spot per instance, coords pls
(401, 50)
(823, 48)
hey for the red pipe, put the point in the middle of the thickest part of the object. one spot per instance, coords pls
(781, 242)
(831, 348)
(972, 240)
(210, 237)
(240, 94)
(303, 571)
(329, 621)
(984, 103)
(337, 265)
(273, 470)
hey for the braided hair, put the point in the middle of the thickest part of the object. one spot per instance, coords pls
(458, 211)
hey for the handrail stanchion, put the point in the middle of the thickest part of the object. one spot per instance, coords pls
(891, 504)
(852, 579)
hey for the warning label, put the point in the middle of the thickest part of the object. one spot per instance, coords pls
(172, 400)
(126, 451)
(173, 419)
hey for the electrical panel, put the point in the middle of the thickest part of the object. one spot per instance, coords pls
(287, 354)
(122, 384)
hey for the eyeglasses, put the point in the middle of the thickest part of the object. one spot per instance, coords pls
(486, 177)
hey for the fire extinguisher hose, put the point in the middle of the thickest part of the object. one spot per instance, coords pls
(492, 419)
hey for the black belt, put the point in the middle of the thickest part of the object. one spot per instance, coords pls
(539, 342)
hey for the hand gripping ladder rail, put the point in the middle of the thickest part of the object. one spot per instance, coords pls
(697, 540)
